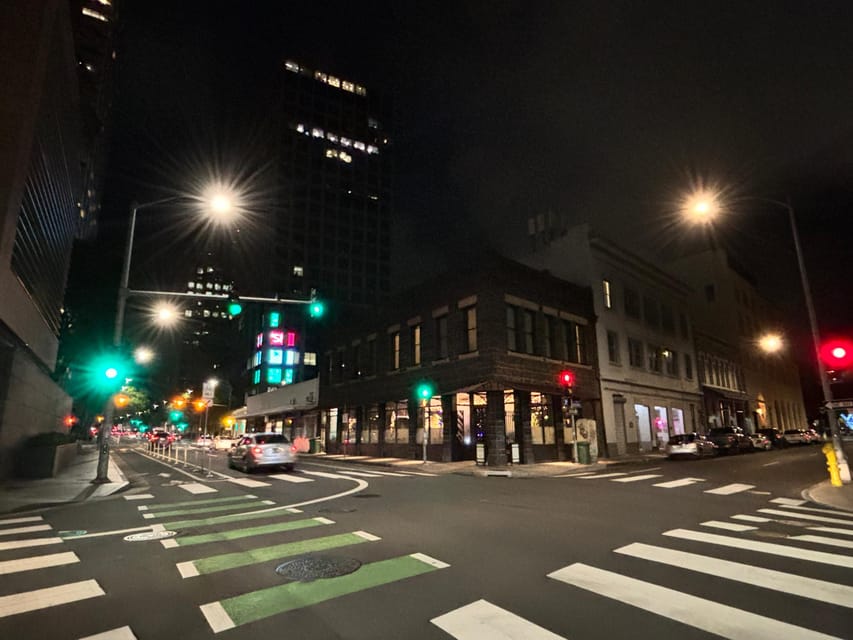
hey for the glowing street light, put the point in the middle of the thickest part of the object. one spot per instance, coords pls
(143, 355)
(166, 314)
(702, 206)
(771, 343)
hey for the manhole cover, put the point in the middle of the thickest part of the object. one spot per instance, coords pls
(150, 535)
(366, 495)
(316, 567)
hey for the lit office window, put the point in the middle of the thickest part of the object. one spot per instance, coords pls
(608, 302)
(298, 271)
(333, 81)
(416, 344)
(310, 359)
(348, 86)
(470, 329)
(317, 132)
(94, 14)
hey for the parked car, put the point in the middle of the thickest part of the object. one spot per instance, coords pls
(255, 450)
(794, 436)
(694, 445)
(812, 436)
(773, 435)
(204, 440)
(760, 442)
(730, 439)
(160, 440)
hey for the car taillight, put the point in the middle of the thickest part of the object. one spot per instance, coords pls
(293, 448)
(257, 451)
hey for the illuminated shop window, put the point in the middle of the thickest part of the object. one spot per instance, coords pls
(275, 319)
(274, 375)
(300, 128)
(322, 77)
(331, 153)
(360, 90)
(331, 137)
(346, 142)
(345, 157)
(275, 356)
(298, 271)
(358, 145)
(372, 149)
(291, 66)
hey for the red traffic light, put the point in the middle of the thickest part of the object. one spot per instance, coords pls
(837, 353)
(567, 378)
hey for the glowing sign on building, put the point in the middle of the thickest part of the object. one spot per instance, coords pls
(291, 339)
(291, 357)
(274, 375)
(275, 319)
(276, 338)
(259, 341)
(276, 356)
(288, 376)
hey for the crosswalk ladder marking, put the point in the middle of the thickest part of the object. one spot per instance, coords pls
(482, 619)
(37, 562)
(287, 477)
(729, 489)
(236, 534)
(803, 516)
(647, 476)
(28, 542)
(674, 484)
(30, 529)
(49, 597)
(701, 613)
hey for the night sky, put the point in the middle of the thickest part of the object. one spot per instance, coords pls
(599, 111)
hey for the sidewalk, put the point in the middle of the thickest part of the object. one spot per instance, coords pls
(73, 484)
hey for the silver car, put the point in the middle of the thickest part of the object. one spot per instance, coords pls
(693, 445)
(256, 450)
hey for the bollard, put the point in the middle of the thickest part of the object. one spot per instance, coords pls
(832, 464)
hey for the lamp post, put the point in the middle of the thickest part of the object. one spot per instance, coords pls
(703, 207)
(220, 205)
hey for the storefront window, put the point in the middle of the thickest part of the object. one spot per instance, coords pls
(677, 421)
(509, 416)
(333, 425)
(436, 421)
(397, 422)
(371, 428)
(661, 426)
(541, 420)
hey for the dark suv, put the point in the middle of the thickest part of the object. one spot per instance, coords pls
(730, 439)
(774, 435)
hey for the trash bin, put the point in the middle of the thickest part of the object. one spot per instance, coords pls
(313, 445)
(583, 453)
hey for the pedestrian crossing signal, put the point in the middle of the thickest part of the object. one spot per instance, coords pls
(567, 379)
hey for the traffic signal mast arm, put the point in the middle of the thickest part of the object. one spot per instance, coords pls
(219, 296)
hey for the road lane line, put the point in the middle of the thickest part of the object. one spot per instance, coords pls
(29, 542)
(195, 488)
(50, 597)
(803, 516)
(418, 473)
(821, 590)
(237, 534)
(602, 475)
(287, 477)
(21, 520)
(384, 473)
(699, 613)
(482, 619)
(324, 474)
(264, 603)
(769, 548)
(122, 633)
(647, 476)
(674, 484)
(30, 529)
(578, 475)
(729, 489)
(106, 533)
(225, 561)
(729, 526)
(38, 562)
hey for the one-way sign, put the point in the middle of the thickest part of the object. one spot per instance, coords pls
(840, 404)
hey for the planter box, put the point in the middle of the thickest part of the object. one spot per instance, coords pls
(45, 462)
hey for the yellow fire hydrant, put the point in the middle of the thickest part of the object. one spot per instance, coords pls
(832, 464)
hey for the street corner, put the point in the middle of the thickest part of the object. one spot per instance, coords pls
(826, 494)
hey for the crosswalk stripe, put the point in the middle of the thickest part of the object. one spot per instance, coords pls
(598, 476)
(804, 516)
(578, 475)
(769, 548)
(28, 542)
(482, 619)
(788, 501)
(246, 482)
(222, 562)
(122, 633)
(747, 518)
(843, 532)
(729, 489)
(647, 476)
(420, 473)
(195, 503)
(757, 576)
(729, 526)
(140, 496)
(257, 605)
(834, 512)
(386, 473)
(37, 562)
(236, 517)
(236, 534)
(830, 542)
(700, 613)
(30, 529)
(323, 474)
(206, 509)
(196, 487)
(362, 474)
(674, 484)
(49, 597)
(287, 477)
(21, 520)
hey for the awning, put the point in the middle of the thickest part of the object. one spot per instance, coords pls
(301, 396)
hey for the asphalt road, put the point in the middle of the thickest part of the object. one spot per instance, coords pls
(695, 549)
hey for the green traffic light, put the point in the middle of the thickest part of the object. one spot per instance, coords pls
(316, 309)
(111, 373)
(424, 391)
(235, 308)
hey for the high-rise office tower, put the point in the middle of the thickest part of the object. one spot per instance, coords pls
(334, 180)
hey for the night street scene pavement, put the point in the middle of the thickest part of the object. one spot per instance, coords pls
(365, 321)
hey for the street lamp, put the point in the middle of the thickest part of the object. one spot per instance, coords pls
(219, 204)
(771, 343)
(697, 206)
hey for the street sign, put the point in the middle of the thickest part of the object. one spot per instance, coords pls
(207, 391)
(840, 404)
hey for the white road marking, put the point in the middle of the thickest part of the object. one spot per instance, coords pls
(834, 512)
(647, 476)
(291, 478)
(29, 542)
(602, 475)
(323, 474)
(50, 597)
(322, 520)
(122, 633)
(699, 613)
(830, 542)
(763, 547)
(30, 529)
(803, 516)
(216, 617)
(419, 473)
(729, 489)
(758, 576)
(388, 473)
(139, 496)
(169, 543)
(187, 569)
(751, 518)
(196, 488)
(481, 620)
(730, 526)
(164, 475)
(246, 482)
(361, 474)
(366, 536)
(770, 464)
(38, 562)
(674, 484)
(843, 532)
(578, 475)
(787, 501)
(21, 520)
(429, 560)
